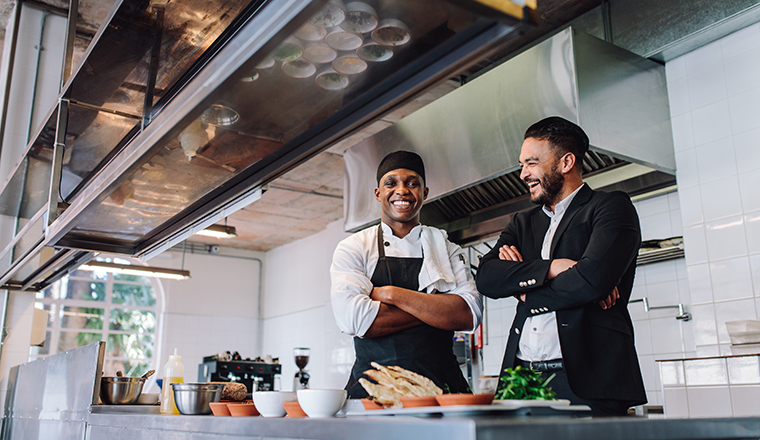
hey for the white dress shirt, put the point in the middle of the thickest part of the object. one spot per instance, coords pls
(539, 339)
(354, 263)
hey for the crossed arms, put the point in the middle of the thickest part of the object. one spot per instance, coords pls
(593, 272)
(363, 310)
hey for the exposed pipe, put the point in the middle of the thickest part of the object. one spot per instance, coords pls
(607, 21)
(260, 331)
(40, 48)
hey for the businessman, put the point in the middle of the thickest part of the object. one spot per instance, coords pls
(570, 262)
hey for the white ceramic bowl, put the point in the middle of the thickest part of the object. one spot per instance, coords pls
(329, 79)
(391, 32)
(269, 403)
(360, 18)
(340, 39)
(349, 65)
(321, 403)
(319, 53)
(299, 68)
(331, 14)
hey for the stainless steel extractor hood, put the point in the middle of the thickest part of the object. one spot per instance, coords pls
(470, 139)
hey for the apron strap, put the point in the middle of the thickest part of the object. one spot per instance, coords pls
(381, 254)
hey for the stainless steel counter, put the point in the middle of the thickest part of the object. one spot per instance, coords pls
(54, 398)
(129, 427)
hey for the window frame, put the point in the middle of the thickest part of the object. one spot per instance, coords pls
(54, 322)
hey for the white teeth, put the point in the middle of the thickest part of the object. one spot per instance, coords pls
(401, 204)
(532, 184)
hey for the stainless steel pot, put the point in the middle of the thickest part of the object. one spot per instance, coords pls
(121, 390)
(194, 398)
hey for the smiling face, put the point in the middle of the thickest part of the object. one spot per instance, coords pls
(543, 171)
(401, 193)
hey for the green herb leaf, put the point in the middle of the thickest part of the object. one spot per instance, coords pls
(524, 384)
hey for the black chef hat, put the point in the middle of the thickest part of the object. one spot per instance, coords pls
(401, 159)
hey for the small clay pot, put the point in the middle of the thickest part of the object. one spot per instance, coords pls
(415, 401)
(370, 404)
(246, 409)
(293, 409)
(219, 408)
(464, 399)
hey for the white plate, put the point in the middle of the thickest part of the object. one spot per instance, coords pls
(531, 403)
(556, 407)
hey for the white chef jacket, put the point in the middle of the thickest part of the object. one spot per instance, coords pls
(539, 339)
(354, 263)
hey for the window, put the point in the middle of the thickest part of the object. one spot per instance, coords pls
(91, 306)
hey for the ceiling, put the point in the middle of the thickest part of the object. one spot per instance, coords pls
(306, 199)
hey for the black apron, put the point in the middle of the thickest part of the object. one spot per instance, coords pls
(423, 349)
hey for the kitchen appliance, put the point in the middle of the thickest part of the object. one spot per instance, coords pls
(254, 374)
(472, 136)
(301, 379)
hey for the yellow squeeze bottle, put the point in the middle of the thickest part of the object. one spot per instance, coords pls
(174, 372)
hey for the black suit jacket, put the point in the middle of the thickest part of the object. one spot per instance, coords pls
(601, 232)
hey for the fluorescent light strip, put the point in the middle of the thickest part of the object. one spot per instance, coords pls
(218, 231)
(129, 269)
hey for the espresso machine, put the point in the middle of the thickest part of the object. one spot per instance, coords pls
(256, 375)
(301, 379)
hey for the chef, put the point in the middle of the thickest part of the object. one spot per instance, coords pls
(402, 289)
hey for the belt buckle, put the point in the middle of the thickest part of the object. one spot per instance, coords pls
(532, 367)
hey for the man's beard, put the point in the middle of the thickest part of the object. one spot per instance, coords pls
(551, 186)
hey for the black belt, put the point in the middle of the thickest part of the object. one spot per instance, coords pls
(541, 366)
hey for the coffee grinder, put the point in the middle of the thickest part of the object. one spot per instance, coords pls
(301, 380)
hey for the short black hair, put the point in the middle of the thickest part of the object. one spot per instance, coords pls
(563, 135)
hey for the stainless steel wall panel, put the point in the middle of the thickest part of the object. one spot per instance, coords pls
(34, 429)
(623, 103)
(50, 397)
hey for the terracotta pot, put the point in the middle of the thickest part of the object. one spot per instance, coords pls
(247, 409)
(219, 408)
(293, 409)
(415, 401)
(464, 399)
(370, 404)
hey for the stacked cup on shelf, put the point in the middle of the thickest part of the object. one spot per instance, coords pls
(338, 42)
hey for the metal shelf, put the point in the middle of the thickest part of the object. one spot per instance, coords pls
(648, 255)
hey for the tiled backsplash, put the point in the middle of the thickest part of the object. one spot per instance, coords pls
(714, 93)
(712, 387)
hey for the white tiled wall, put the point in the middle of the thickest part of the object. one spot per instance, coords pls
(297, 311)
(216, 310)
(715, 387)
(195, 336)
(714, 94)
(716, 90)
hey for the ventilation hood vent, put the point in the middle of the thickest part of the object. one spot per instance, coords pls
(470, 139)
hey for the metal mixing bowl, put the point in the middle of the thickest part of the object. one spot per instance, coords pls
(194, 398)
(120, 390)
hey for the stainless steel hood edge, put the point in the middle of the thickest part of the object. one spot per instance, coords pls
(473, 134)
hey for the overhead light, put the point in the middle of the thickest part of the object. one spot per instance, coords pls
(130, 269)
(218, 231)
